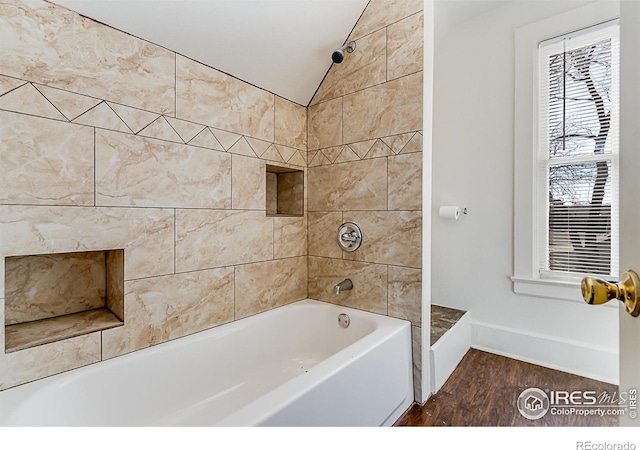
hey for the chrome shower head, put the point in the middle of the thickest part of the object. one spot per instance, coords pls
(338, 55)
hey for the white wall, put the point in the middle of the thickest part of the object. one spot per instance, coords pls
(473, 158)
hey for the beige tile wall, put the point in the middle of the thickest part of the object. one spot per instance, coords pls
(154, 160)
(99, 61)
(365, 166)
(108, 141)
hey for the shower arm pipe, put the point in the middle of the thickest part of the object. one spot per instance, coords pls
(338, 55)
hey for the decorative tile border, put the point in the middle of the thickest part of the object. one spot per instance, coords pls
(24, 97)
(373, 148)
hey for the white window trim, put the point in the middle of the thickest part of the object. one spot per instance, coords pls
(526, 278)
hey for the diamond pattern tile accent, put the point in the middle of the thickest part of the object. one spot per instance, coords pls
(319, 160)
(68, 103)
(160, 129)
(206, 139)
(28, 100)
(242, 147)
(7, 84)
(102, 116)
(298, 159)
(361, 148)
(414, 145)
(347, 155)
(258, 146)
(332, 152)
(226, 138)
(286, 152)
(398, 142)
(136, 119)
(186, 130)
(378, 150)
(272, 154)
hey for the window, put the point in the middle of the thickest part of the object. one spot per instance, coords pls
(577, 168)
(566, 151)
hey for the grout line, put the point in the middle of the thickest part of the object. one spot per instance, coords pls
(17, 87)
(387, 181)
(184, 272)
(366, 262)
(231, 177)
(307, 255)
(344, 254)
(95, 187)
(370, 87)
(341, 121)
(173, 128)
(387, 289)
(215, 268)
(175, 238)
(122, 120)
(45, 118)
(388, 25)
(47, 99)
(186, 208)
(307, 138)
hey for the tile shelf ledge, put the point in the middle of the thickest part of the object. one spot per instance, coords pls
(30, 334)
(285, 215)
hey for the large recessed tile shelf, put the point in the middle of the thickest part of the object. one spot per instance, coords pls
(30, 334)
(285, 191)
(58, 296)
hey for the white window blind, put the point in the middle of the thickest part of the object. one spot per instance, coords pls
(577, 169)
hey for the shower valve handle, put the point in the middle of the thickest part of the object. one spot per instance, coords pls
(350, 237)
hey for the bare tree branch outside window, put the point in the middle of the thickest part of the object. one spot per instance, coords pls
(580, 83)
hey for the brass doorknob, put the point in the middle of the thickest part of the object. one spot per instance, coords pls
(597, 292)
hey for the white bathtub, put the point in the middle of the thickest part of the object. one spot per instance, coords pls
(293, 365)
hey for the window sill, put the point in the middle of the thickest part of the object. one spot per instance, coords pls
(553, 289)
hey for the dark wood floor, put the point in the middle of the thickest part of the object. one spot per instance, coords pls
(483, 391)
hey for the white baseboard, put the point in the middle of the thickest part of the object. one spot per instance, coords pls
(587, 360)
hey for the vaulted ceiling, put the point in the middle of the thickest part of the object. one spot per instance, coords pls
(283, 46)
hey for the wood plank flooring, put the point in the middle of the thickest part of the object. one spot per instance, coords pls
(483, 391)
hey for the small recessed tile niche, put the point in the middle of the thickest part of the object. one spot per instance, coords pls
(57, 296)
(285, 191)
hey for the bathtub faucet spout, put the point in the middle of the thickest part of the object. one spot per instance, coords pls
(344, 285)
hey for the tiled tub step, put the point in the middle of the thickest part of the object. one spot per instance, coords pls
(450, 340)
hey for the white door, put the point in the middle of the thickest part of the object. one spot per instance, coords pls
(629, 189)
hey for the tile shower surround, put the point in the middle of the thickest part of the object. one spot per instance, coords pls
(123, 140)
(365, 166)
(106, 143)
